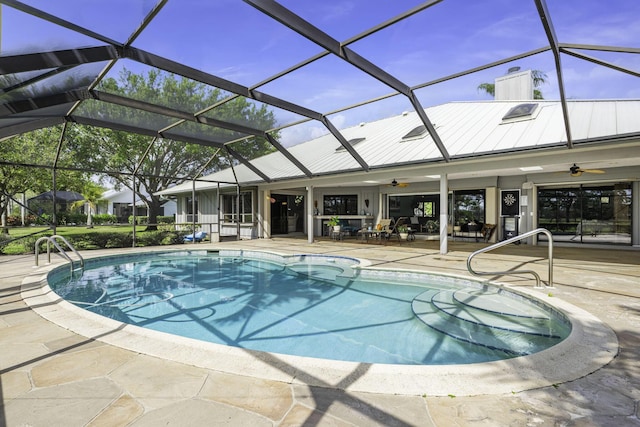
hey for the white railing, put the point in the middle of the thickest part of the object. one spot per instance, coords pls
(513, 240)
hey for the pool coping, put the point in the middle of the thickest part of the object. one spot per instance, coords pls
(590, 346)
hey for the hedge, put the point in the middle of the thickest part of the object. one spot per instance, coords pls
(100, 240)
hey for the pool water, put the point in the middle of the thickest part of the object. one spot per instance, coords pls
(314, 306)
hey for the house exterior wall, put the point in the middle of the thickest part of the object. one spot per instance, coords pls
(526, 185)
(208, 216)
(109, 198)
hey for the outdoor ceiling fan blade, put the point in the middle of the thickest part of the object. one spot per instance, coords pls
(395, 183)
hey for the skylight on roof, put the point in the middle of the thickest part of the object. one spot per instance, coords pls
(352, 142)
(416, 132)
(520, 111)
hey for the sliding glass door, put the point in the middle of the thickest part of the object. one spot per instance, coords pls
(587, 214)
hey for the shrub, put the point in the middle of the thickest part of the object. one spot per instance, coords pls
(166, 219)
(13, 220)
(150, 238)
(102, 219)
(74, 218)
(93, 240)
(140, 220)
(4, 240)
(43, 219)
(157, 238)
(120, 240)
(21, 246)
(173, 238)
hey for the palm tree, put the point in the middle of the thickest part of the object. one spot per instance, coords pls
(539, 78)
(92, 194)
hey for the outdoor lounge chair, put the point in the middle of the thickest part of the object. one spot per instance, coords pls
(200, 236)
(391, 229)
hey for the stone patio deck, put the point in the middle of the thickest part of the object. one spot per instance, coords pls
(52, 376)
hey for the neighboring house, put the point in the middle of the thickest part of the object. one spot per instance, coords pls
(43, 203)
(510, 167)
(120, 204)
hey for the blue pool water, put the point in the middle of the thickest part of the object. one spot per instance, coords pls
(313, 306)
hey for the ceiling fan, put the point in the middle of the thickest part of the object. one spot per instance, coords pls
(395, 183)
(576, 170)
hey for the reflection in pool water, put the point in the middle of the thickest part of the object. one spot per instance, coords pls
(314, 306)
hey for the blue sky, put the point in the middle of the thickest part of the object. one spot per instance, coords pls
(232, 40)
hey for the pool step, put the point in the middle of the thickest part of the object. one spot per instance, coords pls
(499, 322)
(501, 313)
(331, 272)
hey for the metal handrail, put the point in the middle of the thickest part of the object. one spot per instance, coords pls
(63, 253)
(512, 240)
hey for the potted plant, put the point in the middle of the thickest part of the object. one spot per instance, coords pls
(432, 226)
(335, 223)
(404, 232)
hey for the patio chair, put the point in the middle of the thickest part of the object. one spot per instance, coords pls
(392, 229)
(487, 231)
(416, 225)
(383, 226)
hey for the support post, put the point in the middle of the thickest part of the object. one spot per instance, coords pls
(635, 206)
(133, 210)
(193, 211)
(444, 213)
(310, 214)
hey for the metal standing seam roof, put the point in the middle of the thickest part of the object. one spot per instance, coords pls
(481, 131)
(316, 66)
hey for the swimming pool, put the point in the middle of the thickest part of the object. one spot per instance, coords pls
(314, 306)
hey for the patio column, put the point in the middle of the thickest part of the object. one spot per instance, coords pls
(444, 213)
(266, 215)
(635, 209)
(310, 214)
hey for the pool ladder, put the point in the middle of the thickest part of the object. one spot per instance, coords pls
(52, 240)
(514, 240)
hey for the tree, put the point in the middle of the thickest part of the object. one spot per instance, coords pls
(539, 78)
(92, 194)
(167, 162)
(16, 178)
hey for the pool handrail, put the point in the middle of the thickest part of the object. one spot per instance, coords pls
(63, 253)
(513, 240)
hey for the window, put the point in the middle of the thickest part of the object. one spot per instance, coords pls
(353, 142)
(468, 206)
(418, 205)
(519, 111)
(230, 211)
(122, 211)
(192, 209)
(425, 209)
(340, 205)
(415, 132)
